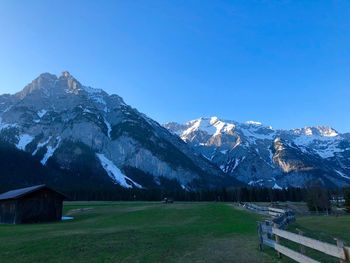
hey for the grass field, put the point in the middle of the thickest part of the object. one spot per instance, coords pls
(323, 228)
(138, 232)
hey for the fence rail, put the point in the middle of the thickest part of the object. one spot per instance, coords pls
(271, 231)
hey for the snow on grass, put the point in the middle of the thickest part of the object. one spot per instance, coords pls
(23, 141)
(50, 151)
(114, 172)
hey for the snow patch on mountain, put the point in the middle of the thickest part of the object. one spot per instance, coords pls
(343, 175)
(92, 91)
(41, 145)
(253, 134)
(212, 126)
(269, 151)
(276, 186)
(97, 96)
(254, 123)
(41, 113)
(50, 151)
(23, 141)
(200, 124)
(318, 131)
(4, 126)
(237, 161)
(256, 182)
(109, 127)
(324, 146)
(8, 108)
(114, 172)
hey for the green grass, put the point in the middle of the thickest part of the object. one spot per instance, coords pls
(323, 228)
(137, 232)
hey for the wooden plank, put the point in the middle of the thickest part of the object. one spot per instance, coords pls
(272, 213)
(288, 252)
(324, 247)
(277, 240)
(277, 210)
(294, 255)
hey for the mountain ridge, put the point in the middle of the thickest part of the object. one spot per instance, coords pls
(60, 122)
(260, 155)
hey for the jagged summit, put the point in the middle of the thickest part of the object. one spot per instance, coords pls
(260, 155)
(66, 74)
(97, 139)
(48, 85)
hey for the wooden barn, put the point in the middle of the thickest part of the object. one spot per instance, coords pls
(31, 205)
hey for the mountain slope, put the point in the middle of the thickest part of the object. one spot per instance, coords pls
(98, 139)
(262, 156)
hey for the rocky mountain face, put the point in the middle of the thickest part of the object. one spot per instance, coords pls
(262, 156)
(77, 135)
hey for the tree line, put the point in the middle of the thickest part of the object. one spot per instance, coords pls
(318, 199)
(315, 196)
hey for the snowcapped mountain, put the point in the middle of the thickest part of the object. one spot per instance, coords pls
(260, 155)
(84, 136)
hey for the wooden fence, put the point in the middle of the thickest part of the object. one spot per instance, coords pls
(279, 216)
(271, 231)
(270, 234)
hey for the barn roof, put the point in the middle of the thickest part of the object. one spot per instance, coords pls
(14, 194)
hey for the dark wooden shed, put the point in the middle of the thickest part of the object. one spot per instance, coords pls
(31, 205)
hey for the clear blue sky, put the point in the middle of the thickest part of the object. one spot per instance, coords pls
(284, 63)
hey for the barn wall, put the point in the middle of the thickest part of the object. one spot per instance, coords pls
(8, 210)
(40, 206)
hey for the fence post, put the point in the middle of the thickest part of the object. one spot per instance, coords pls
(260, 236)
(277, 239)
(302, 248)
(340, 244)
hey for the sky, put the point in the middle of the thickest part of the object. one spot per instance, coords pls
(283, 63)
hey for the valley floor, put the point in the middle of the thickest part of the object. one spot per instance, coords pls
(144, 232)
(137, 232)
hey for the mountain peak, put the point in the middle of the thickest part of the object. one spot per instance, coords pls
(46, 75)
(48, 85)
(66, 74)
